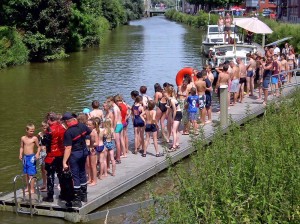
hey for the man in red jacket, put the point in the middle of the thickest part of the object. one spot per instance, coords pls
(55, 151)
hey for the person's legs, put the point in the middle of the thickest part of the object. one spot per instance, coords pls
(93, 168)
(75, 162)
(50, 182)
(248, 85)
(163, 126)
(154, 134)
(252, 85)
(146, 143)
(136, 139)
(118, 145)
(175, 133)
(113, 162)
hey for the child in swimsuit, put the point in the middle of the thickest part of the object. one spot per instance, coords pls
(27, 155)
(109, 144)
(43, 154)
(161, 109)
(151, 127)
(138, 123)
(92, 158)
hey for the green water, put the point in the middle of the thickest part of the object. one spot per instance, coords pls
(143, 53)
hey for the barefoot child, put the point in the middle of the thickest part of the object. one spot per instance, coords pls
(108, 143)
(27, 155)
(151, 127)
(101, 150)
(43, 154)
(193, 102)
(92, 158)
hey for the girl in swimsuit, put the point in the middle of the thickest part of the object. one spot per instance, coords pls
(92, 158)
(108, 114)
(138, 123)
(290, 61)
(161, 108)
(108, 143)
(176, 118)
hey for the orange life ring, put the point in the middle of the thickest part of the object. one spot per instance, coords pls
(181, 73)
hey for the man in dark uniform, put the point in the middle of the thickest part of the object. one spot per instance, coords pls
(53, 140)
(75, 157)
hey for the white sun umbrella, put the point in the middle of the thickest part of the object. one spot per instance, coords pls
(254, 25)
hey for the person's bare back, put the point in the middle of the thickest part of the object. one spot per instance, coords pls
(96, 113)
(235, 72)
(242, 67)
(200, 86)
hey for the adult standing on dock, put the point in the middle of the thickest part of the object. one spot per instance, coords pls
(53, 140)
(75, 155)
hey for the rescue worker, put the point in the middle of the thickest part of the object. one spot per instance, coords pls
(53, 140)
(75, 156)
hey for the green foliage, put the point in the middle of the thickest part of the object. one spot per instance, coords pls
(12, 49)
(134, 9)
(45, 20)
(250, 175)
(86, 26)
(199, 20)
(282, 30)
(52, 27)
(114, 12)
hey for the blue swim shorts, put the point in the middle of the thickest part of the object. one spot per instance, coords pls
(250, 73)
(274, 80)
(119, 128)
(29, 164)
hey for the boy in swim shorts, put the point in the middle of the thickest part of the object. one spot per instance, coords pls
(27, 155)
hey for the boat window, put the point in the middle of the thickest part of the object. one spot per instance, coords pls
(213, 29)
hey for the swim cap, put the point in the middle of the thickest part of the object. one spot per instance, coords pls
(86, 110)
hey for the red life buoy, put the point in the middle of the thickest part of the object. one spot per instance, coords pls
(181, 73)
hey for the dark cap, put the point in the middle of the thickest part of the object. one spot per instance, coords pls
(67, 116)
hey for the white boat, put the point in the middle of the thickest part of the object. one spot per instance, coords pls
(213, 37)
(230, 52)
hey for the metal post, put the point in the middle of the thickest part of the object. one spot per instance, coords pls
(224, 105)
(263, 40)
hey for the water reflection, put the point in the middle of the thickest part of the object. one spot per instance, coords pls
(148, 51)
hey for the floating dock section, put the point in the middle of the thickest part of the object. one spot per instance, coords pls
(133, 170)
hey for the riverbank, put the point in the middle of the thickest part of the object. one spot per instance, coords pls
(280, 29)
(49, 30)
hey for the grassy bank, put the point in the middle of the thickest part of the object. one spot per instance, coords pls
(281, 30)
(250, 175)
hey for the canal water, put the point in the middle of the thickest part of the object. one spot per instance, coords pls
(145, 52)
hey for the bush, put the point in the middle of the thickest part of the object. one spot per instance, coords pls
(199, 21)
(250, 175)
(12, 49)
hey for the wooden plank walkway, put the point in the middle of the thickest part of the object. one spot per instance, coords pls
(133, 170)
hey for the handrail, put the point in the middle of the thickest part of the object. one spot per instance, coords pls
(29, 191)
(15, 191)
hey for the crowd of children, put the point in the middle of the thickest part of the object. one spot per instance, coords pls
(161, 116)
